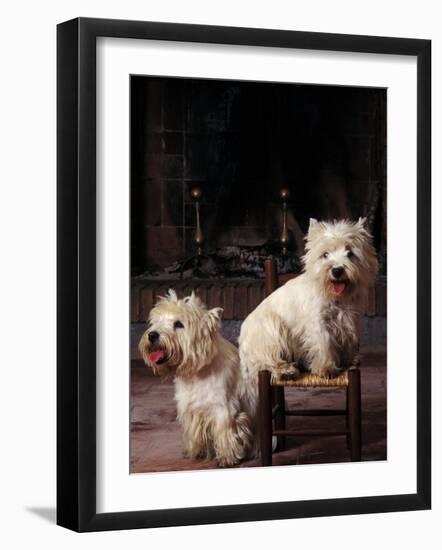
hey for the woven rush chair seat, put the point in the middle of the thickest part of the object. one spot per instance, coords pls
(308, 380)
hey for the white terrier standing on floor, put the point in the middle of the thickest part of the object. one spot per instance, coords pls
(183, 338)
(314, 320)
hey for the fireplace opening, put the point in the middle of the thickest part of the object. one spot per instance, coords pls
(240, 144)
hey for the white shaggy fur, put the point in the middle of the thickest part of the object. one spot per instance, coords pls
(314, 321)
(207, 373)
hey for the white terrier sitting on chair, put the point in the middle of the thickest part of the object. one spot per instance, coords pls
(314, 320)
(183, 338)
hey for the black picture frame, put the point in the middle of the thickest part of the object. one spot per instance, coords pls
(76, 274)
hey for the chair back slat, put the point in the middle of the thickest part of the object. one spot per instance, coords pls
(271, 277)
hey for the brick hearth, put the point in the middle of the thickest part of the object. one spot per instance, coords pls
(238, 297)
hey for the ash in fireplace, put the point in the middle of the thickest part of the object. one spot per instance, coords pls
(228, 261)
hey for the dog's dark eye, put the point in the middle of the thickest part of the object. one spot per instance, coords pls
(325, 255)
(178, 324)
(350, 254)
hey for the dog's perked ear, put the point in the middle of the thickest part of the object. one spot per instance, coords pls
(171, 295)
(313, 228)
(193, 299)
(216, 314)
(362, 222)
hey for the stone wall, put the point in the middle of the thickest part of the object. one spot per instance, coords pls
(241, 142)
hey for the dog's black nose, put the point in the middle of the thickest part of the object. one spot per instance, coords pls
(153, 336)
(337, 272)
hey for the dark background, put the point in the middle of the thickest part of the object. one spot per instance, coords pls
(241, 142)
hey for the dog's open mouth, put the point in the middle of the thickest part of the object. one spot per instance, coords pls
(157, 356)
(339, 286)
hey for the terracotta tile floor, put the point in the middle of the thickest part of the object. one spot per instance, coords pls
(156, 435)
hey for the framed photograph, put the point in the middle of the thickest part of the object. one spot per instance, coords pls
(243, 274)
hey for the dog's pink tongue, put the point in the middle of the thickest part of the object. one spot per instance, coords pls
(156, 356)
(338, 288)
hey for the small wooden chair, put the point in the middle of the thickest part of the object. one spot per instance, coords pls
(272, 407)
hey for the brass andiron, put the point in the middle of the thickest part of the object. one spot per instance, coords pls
(195, 261)
(284, 239)
(196, 194)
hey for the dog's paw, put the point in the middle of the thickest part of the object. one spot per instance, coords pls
(285, 372)
(326, 371)
(227, 463)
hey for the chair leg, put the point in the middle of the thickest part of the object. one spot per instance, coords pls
(278, 398)
(354, 413)
(265, 417)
